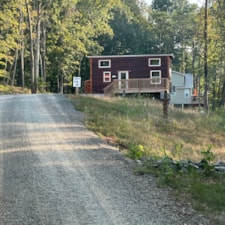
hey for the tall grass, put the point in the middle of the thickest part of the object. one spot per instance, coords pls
(8, 89)
(138, 125)
(139, 121)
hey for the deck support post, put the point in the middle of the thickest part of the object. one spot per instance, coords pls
(165, 105)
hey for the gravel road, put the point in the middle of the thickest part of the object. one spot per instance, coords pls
(53, 171)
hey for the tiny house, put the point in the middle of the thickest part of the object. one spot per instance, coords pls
(182, 89)
(117, 74)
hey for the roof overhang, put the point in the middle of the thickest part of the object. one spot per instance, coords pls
(129, 56)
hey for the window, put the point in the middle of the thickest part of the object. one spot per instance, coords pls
(186, 93)
(155, 76)
(154, 62)
(104, 63)
(173, 88)
(106, 76)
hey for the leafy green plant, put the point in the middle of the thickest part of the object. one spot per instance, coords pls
(208, 154)
(135, 151)
(206, 162)
(168, 171)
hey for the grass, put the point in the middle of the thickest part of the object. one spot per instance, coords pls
(140, 122)
(137, 124)
(7, 89)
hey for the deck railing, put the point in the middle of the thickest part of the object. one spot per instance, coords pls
(142, 85)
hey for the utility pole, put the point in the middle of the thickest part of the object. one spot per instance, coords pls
(206, 87)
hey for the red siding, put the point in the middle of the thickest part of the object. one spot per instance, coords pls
(137, 66)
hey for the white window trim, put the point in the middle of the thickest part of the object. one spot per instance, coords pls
(152, 71)
(107, 72)
(151, 59)
(103, 60)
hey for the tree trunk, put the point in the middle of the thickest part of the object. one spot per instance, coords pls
(37, 55)
(43, 55)
(22, 65)
(206, 58)
(33, 84)
(15, 66)
(222, 102)
(22, 49)
(61, 83)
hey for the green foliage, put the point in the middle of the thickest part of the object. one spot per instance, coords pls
(161, 5)
(208, 192)
(168, 173)
(205, 192)
(3, 73)
(208, 157)
(72, 27)
(135, 151)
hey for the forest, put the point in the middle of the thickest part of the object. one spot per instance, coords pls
(44, 43)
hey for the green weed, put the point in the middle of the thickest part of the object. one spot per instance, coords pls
(135, 151)
(206, 162)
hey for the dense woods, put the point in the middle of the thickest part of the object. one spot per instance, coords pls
(44, 43)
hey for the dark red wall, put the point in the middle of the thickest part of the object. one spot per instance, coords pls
(137, 67)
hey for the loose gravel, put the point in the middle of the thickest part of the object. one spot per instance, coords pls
(53, 171)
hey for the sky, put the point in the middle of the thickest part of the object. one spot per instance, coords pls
(199, 2)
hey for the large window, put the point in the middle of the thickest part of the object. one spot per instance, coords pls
(154, 62)
(155, 76)
(106, 76)
(104, 63)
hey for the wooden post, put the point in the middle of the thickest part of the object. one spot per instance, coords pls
(165, 105)
(76, 90)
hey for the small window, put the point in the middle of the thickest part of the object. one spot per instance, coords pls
(106, 76)
(155, 76)
(173, 88)
(104, 63)
(154, 62)
(186, 93)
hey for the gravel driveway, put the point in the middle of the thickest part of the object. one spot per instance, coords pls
(54, 171)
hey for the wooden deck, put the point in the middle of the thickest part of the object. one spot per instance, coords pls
(143, 85)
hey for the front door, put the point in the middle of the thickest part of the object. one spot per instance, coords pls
(123, 77)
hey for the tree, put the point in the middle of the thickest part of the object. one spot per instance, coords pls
(8, 38)
(162, 5)
(74, 31)
(131, 30)
(184, 31)
(206, 57)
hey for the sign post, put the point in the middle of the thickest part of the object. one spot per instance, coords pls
(77, 84)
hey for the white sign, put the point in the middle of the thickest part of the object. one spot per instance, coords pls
(76, 81)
